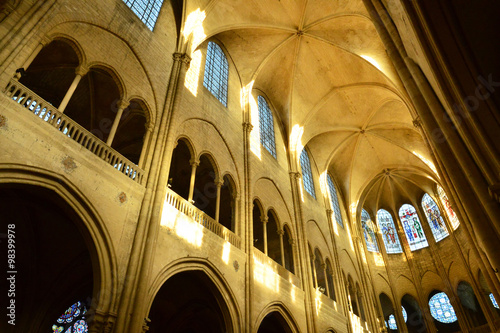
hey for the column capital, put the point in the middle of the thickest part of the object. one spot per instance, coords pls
(323, 266)
(294, 174)
(329, 211)
(417, 123)
(81, 70)
(183, 57)
(122, 104)
(145, 324)
(194, 162)
(247, 127)
(264, 219)
(219, 182)
(280, 232)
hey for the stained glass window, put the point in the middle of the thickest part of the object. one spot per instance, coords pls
(216, 72)
(72, 320)
(434, 218)
(447, 206)
(334, 201)
(494, 301)
(307, 178)
(369, 234)
(412, 227)
(392, 319)
(266, 126)
(441, 308)
(146, 10)
(389, 232)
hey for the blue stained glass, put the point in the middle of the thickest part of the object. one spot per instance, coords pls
(434, 218)
(494, 301)
(334, 201)
(266, 126)
(412, 227)
(389, 232)
(307, 179)
(392, 319)
(369, 234)
(216, 72)
(146, 10)
(72, 320)
(441, 308)
(405, 315)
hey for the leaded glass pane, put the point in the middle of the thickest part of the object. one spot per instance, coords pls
(266, 126)
(392, 319)
(434, 218)
(216, 72)
(307, 178)
(412, 227)
(72, 320)
(447, 206)
(494, 301)
(369, 234)
(389, 232)
(441, 308)
(334, 201)
(405, 315)
(146, 10)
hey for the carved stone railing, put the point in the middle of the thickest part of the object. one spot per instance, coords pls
(49, 114)
(188, 209)
(277, 268)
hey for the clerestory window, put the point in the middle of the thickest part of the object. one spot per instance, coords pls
(334, 201)
(216, 72)
(307, 179)
(146, 10)
(266, 126)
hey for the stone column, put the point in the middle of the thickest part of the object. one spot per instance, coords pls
(281, 232)
(122, 105)
(264, 220)
(194, 164)
(145, 144)
(80, 72)
(219, 184)
(323, 266)
(313, 268)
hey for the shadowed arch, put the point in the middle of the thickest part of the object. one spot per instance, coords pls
(276, 318)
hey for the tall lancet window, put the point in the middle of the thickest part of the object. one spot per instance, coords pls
(389, 232)
(216, 72)
(369, 234)
(146, 10)
(307, 178)
(266, 126)
(412, 227)
(447, 206)
(334, 201)
(434, 218)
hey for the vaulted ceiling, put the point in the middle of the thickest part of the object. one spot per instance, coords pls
(324, 68)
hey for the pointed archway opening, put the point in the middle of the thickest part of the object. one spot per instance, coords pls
(189, 302)
(53, 268)
(274, 323)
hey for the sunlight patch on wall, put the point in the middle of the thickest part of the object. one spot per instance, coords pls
(323, 185)
(193, 73)
(317, 301)
(372, 61)
(255, 145)
(193, 28)
(427, 162)
(264, 274)
(226, 250)
(182, 225)
(379, 260)
(296, 139)
(356, 325)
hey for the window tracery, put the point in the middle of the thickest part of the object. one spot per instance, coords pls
(389, 232)
(436, 222)
(441, 308)
(266, 126)
(216, 72)
(146, 10)
(72, 320)
(412, 227)
(307, 179)
(369, 234)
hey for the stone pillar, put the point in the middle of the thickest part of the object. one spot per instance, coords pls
(145, 144)
(194, 164)
(219, 184)
(323, 266)
(80, 72)
(264, 220)
(314, 275)
(122, 105)
(281, 232)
